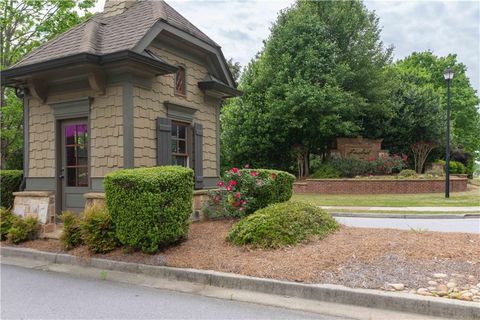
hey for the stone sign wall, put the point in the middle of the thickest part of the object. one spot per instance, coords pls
(358, 148)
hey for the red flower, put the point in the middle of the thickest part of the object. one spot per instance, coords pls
(242, 202)
(236, 204)
(220, 184)
(233, 183)
(254, 173)
(229, 188)
(241, 208)
(237, 195)
(234, 170)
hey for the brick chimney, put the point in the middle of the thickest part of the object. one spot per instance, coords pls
(114, 7)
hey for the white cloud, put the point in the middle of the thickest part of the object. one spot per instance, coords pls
(440, 26)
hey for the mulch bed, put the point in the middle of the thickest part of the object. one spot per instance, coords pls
(355, 257)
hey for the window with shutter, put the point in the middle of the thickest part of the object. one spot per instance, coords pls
(180, 144)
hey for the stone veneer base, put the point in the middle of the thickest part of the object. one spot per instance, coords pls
(39, 204)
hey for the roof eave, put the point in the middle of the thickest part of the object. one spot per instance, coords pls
(222, 89)
(158, 67)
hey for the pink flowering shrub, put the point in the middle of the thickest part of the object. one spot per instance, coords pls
(243, 191)
(386, 164)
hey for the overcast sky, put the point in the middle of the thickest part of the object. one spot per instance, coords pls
(440, 26)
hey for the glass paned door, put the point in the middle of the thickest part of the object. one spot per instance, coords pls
(74, 170)
(76, 155)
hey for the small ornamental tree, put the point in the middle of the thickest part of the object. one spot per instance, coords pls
(420, 151)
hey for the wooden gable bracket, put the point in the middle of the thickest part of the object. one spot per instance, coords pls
(38, 89)
(96, 80)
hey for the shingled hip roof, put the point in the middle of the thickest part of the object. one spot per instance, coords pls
(102, 35)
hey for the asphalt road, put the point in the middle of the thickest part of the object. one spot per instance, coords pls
(29, 294)
(469, 225)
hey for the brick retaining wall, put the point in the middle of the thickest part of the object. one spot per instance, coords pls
(380, 186)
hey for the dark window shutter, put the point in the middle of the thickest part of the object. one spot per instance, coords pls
(190, 146)
(198, 155)
(164, 141)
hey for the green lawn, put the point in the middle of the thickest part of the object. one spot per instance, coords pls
(457, 199)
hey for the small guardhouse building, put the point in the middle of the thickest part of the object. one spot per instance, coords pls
(136, 85)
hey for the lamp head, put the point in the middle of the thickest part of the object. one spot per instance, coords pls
(448, 74)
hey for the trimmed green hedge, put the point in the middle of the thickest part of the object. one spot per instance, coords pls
(150, 207)
(10, 181)
(282, 224)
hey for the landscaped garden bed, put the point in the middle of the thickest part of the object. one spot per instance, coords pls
(354, 257)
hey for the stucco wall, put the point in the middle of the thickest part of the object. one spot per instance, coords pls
(150, 104)
(106, 133)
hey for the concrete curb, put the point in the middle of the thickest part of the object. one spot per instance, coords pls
(394, 301)
(405, 216)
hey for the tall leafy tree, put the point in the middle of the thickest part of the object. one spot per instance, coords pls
(24, 25)
(320, 75)
(235, 69)
(418, 114)
(422, 94)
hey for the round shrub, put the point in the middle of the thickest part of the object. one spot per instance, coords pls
(98, 231)
(351, 167)
(326, 171)
(10, 181)
(23, 229)
(6, 220)
(408, 173)
(282, 224)
(150, 207)
(455, 166)
(71, 236)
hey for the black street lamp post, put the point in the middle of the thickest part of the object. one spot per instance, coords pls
(448, 75)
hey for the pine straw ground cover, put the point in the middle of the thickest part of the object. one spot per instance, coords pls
(355, 257)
